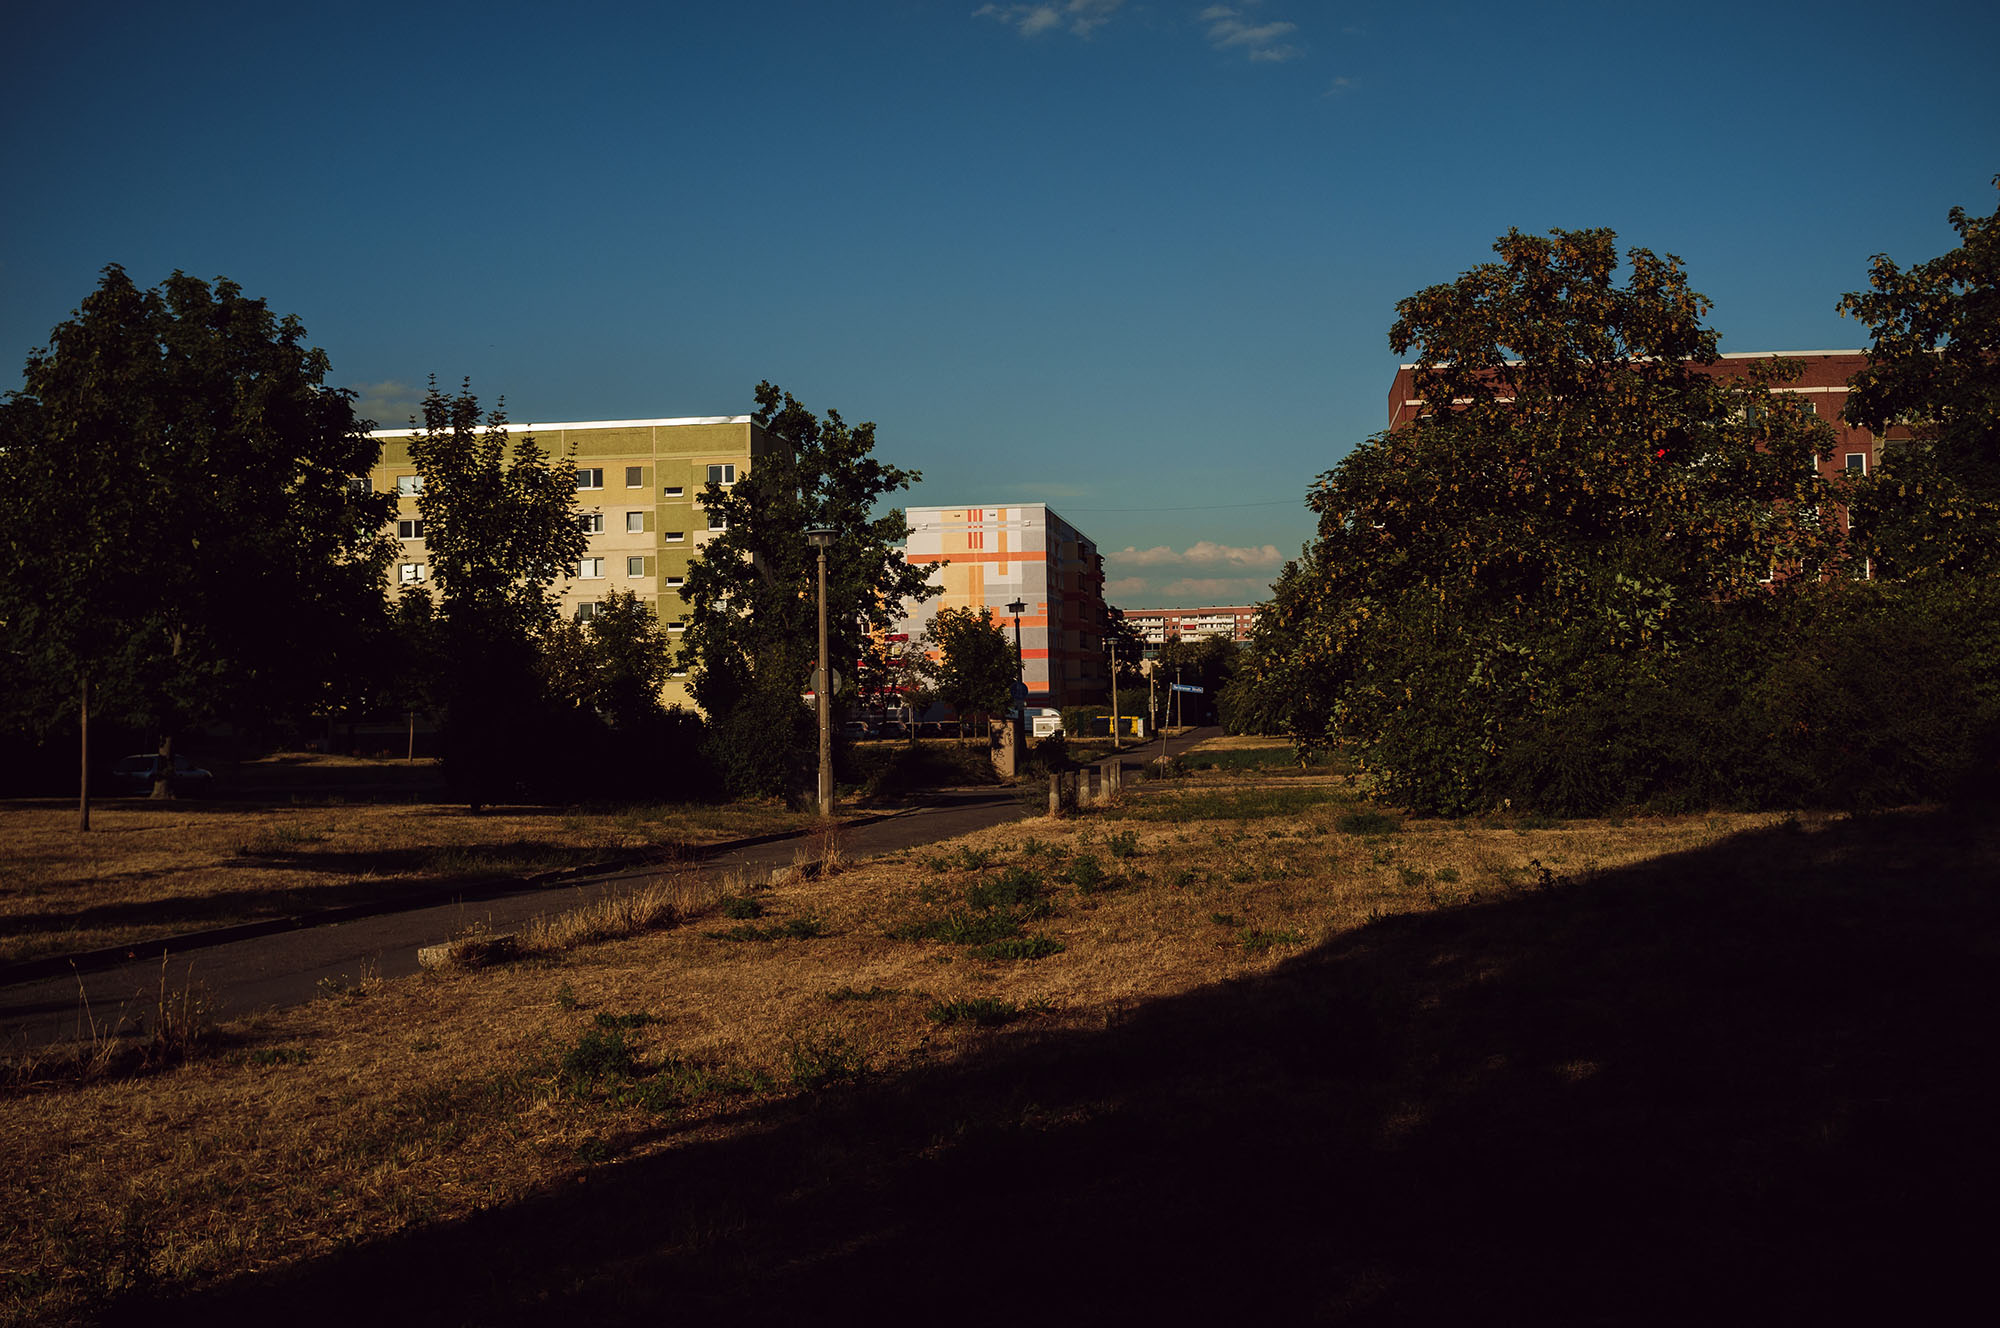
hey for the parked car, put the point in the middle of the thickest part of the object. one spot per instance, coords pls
(892, 728)
(135, 774)
(856, 730)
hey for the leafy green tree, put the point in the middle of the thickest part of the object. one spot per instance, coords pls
(500, 522)
(977, 666)
(752, 633)
(214, 560)
(614, 663)
(1933, 505)
(1578, 498)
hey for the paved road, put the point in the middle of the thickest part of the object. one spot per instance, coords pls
(289, 968)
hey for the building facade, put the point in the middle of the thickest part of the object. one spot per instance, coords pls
(1822, 387)
(639, 485)
(1156, 627)
(988, 557)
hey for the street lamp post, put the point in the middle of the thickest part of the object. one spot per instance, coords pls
(1017, 608)
(820, 537)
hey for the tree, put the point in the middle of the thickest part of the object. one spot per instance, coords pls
(751, 592)
(500, 522)
(1576, 499)
(216, 559)
(1933, 505)
(613, 664)
(977, 666)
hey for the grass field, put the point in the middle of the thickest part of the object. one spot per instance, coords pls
(1267, 1054)
(151, 869)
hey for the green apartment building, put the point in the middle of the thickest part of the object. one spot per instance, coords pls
(638, 496)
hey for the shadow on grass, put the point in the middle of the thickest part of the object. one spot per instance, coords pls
(412, 877)
(1750, 1083)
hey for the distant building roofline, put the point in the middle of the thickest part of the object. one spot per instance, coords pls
(513, 427)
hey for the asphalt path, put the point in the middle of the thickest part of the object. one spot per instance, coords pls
(292, 967)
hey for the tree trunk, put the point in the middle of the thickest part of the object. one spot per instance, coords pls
(163, 768)
(83, 754)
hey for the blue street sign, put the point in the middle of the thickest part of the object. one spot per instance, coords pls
(1020, 691)
(1184, 687)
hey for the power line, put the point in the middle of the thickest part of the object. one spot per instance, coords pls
(1199, 507)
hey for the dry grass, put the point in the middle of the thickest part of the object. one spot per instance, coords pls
(152, 869)
(407, 1103)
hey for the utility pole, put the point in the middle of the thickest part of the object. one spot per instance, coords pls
(819, 538)
(1114, 696)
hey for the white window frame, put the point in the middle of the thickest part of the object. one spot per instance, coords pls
(635, 565)
(409, 528)
(635, 523)
(409, 486)
(673, 491)
(673, 537)
(635, 477)
(675, 582)
(592, 523)
(590, 477)
(590, 569)
(723, 473)
(411, 574)
(586, 610)
(1848, 459)
(717, 521)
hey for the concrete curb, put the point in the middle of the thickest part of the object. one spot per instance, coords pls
(490, 887)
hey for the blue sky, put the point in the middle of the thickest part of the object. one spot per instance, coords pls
(1135, 260)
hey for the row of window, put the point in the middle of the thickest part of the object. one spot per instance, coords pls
(592, 477)
(588, 610)
(592, 523)
(587, 477)
(590, 569)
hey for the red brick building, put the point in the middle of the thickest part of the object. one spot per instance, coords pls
(1823, 386)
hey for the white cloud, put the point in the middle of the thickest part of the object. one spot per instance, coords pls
(390, 403)
(1081, 17)
(1229, 30)
(1130, 589)
(1202, 553)
(1218, 589)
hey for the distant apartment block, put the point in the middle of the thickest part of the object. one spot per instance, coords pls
(1821, 388)
(639, 486)
(1156, 627)
(988, 557)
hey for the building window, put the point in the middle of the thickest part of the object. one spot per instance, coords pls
(673, 491)
(724, 475)
(585, 612)
(680, 625)
(590, 568)
(634, 522)
(592, 523)
(678, 673)
(411, 530)
(673, 537)
(358, 484)
(635, 566)
(1855, 463)
(674, 582)
(592, 478)
(407, 485)
(716, 521)
(635, 476)
(411, 573)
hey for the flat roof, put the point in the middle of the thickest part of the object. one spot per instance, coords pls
(512, 427)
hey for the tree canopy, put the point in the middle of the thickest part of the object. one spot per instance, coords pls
(214, 559)
(751, 592)
(976, 665)
(1933, 505)
(501, 528)
(1578, 492)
